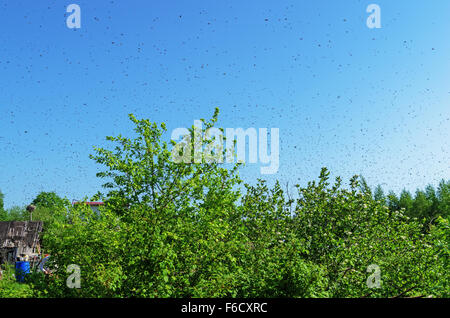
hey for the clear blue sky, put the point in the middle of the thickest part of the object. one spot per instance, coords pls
(356, 100)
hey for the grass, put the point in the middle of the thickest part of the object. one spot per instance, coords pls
(9, 288)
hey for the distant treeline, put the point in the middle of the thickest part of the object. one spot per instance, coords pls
(46, 203)
(425, 205)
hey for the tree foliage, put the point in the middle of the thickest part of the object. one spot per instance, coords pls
(426, 205)
(195, 230)
(3, 213)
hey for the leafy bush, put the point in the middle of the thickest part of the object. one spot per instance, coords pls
(187, 230)
(9, 288)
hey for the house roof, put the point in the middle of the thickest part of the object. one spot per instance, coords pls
(90, 203)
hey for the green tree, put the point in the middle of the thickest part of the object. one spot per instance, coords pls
(378, 195)
(406, 202)
(50, 207)
(3, 214)
(49, 200)
(346, 231)
(159, 204)
(421, 207)
(17, 213)
(440, 232)
(187, 229)
(393, 201)
(443, 194)
(426, 205)
(174, 230)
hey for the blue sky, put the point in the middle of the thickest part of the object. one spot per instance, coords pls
(356, 100)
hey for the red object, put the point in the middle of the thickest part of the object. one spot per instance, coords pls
(90, 203)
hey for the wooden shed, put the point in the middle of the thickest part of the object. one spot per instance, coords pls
(19, 239)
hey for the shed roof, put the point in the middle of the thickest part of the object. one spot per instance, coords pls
(19, 233)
